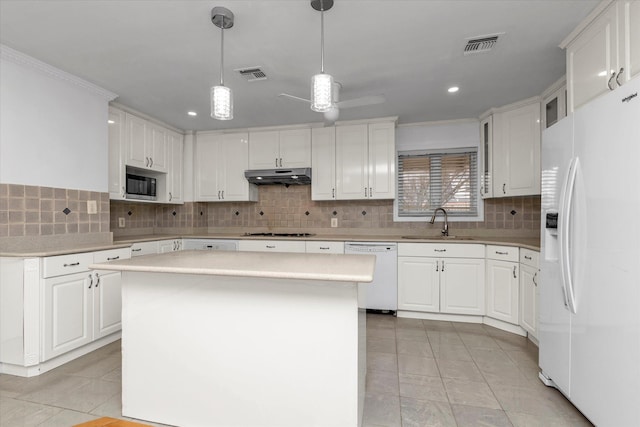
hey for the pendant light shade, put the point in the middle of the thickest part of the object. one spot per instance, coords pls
(322, 84)
(221, 96)
(321, 92)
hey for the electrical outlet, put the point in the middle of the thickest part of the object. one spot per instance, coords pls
(92, 207)
(121, 222)
(334, 222)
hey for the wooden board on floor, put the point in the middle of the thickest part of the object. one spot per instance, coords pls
(110, 422)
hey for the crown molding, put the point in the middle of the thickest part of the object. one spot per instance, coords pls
(12, 55)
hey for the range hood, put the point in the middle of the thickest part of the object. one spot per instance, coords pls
(297, 176)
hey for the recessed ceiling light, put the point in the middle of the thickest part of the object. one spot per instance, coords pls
(453, 89)
(192, 113)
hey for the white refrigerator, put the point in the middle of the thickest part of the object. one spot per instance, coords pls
(589, 307)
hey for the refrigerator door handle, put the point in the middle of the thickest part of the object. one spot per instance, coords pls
(564, 231)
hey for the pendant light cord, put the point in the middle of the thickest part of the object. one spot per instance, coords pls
(322, 39)
(222, 53)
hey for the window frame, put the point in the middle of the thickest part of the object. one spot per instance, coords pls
(479, 217)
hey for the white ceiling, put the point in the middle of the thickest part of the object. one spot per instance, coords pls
(161, 57)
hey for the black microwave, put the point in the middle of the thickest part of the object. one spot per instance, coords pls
(141, 187)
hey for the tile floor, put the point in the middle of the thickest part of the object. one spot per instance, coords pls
(420, 373)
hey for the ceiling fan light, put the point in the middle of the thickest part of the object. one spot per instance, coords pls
(321, 92)
(221, 103)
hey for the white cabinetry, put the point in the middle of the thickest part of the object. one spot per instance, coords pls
(319, 247)
(604, 54)
(144, 248)
(169, 245)
(486, 160)
(365, 161)
(116, 154)
(146, 144)
(529, 291)
(441, 278)
(280, 149)
(323, 163)
(554, 104)
(502, 283)
(296, 246)
(174, 176)
(221, 160)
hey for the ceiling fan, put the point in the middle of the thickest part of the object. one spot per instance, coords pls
(331, 115)
(325, 92)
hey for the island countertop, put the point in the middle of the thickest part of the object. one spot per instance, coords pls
(327, 267)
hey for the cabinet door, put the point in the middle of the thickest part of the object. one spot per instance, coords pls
(107, 303)
(592, 58)
(382, 161)
(68, 313)
(298, 246)
(264, 150)
(117, 150)
(486, 164)
(206, 168)
(174, 176)
(418, 284)
(295, 148)
(518, 172)
(166, 246)
(462, 286)
(233, 154)
(144, 248)
(136, 137)
(352, 181)
(529, 299)
(156, 147)
(502, 290)
(629, 38)
(554, 107)
(323, 163)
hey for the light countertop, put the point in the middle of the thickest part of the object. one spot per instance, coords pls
(340, 268)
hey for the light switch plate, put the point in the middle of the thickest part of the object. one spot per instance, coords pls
(92, 207)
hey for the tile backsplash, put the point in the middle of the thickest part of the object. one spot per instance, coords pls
(291, 208)
(27, 210)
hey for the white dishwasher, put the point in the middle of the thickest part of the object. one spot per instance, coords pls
(381, 294)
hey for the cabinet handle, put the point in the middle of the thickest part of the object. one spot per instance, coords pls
(437, 266)
(270, 247)
(123, 193)
(113, 258)
(535, 282)
(151, 160)
(442, 266)
(146, 161)
(324, 248)
(73, 264)
(280, 161)
(333, 193)
(97, 279)
(170, 196)
(222, 194)
(527, 257)
(90, 281)
(370, 192)
(514, 272)
(365, 191)
(502, 253)
(136, 250)
(276, 162)
(503, 188)
(440, 250)
(218, 194)
(609, 85)
(618, 76)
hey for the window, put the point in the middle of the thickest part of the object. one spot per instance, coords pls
(429, 180)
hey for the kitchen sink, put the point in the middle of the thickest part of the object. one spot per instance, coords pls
(437, 237)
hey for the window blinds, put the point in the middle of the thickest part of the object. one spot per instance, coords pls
(429, 180)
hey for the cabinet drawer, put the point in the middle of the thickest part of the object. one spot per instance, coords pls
(272, 246)
(504, 253)
(529, 257)
(144, 248)
(112, 255)
(314, 247)
(66, 264)
(441, 250)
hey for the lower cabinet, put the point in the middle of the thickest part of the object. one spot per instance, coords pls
(169, 245)
(529, 291)
(503, 271)
(452, 282)
(296, 246)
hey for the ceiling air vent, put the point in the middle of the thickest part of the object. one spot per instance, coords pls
(480, 44)
(252, 74)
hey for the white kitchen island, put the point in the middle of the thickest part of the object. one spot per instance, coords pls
(243, 338)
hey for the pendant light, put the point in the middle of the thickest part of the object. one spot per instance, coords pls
(221, 96)
(322, 84)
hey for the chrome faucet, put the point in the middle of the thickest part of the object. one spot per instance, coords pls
(445, 229)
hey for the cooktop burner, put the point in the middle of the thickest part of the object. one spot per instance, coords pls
(280, 234)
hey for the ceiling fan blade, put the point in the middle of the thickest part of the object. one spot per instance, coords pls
(297, 98)
(361, 102)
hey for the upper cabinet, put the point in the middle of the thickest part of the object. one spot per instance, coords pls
(175, 146)
(603, 53)
(554, 104)
(323, 163)
(510, 150)
(221, 160)
(280, 149)
(116, 154)
(365, 161)
(146, 144)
